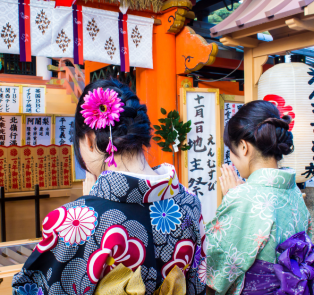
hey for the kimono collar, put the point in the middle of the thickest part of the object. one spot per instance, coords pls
(137, 188)
(279, 178)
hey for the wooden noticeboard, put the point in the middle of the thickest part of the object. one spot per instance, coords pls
(23, 167)
(229, 106)
(38, 129)
(11, 129)
(200, 165)
(64, 134)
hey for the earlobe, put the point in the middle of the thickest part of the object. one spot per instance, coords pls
(89, 142)
(244, 148)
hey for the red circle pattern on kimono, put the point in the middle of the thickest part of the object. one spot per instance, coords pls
(158, 190)
(182, 257)
(116, 247)
(50, 224)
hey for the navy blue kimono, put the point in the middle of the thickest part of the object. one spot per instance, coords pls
(137, 220)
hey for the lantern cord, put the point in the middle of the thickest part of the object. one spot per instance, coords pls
(222, 77)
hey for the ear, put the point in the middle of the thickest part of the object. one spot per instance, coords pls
(90, 139)
(243, 148)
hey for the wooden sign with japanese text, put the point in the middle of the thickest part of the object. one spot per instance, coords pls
(9, 99)
(64, 130)
(41, 167)
(65, 166)
(200, 165)
(38, 130)
(23, 167)
(34, 100)
(64, 134)
(10, 130)
(28, 167)
(53, 167)
(4, 168)
(231, 104)
(14, 169)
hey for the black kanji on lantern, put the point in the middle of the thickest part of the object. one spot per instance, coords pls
(309, 170)
(311, 81)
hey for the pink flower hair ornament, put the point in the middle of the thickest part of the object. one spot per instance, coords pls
(101, 108)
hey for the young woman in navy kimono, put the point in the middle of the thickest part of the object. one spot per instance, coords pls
(130, 213)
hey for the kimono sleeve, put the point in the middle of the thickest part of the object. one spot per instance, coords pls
(234, 238)
(54, 261)
(35, 272)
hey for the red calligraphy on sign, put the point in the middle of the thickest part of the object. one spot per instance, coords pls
(14, 173)
(28, 173)
(54, 165)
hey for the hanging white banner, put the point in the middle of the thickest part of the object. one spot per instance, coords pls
(52, 33)
(100, 35)
(41, 27)
(62, 32)
(140, 37)
(9, 27)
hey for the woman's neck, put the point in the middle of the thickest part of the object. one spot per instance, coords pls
(135, 163)
(263, 163)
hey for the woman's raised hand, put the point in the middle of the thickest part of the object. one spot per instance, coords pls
(229, 178)
(89, 182)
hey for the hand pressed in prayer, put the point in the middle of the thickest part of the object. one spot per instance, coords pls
(89, 182)
(229, 179)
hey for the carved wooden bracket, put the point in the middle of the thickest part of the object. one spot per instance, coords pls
(181, 11)
(299, 25)
(193, 52)
(258, 67)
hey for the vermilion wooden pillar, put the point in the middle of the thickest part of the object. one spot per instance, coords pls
(157, 87)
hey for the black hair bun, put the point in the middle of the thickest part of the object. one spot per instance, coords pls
(259, 123)
(273, 138)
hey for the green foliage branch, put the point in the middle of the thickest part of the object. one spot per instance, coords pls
(171, 128)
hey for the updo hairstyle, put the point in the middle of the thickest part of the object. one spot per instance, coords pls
(130, 135)
(259, 123)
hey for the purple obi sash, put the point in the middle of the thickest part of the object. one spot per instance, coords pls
(293, 274)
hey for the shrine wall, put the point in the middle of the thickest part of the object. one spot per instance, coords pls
(20, 215)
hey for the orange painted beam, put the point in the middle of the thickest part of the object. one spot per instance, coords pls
(225, 87)
(91, 66)
(227, 63)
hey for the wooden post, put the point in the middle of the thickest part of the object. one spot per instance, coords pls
(157, 87)
(2, 204)
(250, 90)
(37, 212)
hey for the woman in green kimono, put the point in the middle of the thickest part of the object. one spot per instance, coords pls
(245, 239)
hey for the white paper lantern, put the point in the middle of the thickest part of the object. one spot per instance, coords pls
(293, 84)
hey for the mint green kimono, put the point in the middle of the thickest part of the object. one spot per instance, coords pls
(251, 221)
